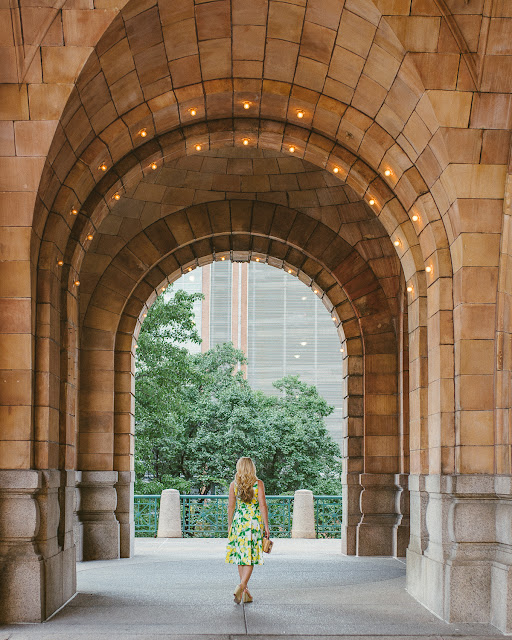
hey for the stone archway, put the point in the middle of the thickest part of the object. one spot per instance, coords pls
(350, 90)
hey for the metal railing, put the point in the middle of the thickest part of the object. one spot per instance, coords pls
(328, 516)
(146, 511)
(206, 516)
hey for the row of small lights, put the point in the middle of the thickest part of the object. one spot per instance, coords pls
(245, 141)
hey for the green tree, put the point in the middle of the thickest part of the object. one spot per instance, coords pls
(194, 438)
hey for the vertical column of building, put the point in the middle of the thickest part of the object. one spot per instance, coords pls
(205, 307)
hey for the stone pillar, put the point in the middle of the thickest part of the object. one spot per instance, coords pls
(401, 532)
(303, 524)
(169, 521)
(21, 563)
(351, 498)
(98, 502)
(465, 573)
(377, 530)
(124, 512)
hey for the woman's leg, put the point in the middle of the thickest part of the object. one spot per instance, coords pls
(245, 574)
(240, 571)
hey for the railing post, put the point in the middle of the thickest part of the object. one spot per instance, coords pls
(303, 523)
(169, 522)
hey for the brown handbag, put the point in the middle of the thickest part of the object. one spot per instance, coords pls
(267, 545)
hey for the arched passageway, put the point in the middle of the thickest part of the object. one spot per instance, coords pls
(305, 135)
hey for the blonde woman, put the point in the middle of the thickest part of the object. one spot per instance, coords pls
(247, 516)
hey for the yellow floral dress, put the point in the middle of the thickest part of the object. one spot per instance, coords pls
(245, 539)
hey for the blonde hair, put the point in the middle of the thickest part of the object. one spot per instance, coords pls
(245, 478)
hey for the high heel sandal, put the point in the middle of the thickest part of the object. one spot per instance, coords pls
(246, 597)
(238, 593)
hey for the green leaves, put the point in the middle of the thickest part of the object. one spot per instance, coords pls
(196, 415)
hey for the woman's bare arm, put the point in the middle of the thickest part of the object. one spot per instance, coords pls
(231, 504)
(263, 506)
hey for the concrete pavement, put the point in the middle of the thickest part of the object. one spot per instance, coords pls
(174, 589)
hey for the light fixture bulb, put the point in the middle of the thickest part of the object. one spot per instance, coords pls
(291, 149)
(117, 196)
(335, 170)
(154, 166)
(190, 269)
(387, 172)
(193, 112)
(300, 113)
(223, 258)
(77, 283)
(333, 319)
(257, 259)
(143, 133)
(145, 315)
(315, 291)
(90, 236)
(245, 141)
(60, 262)
(74, 211)
(396, 243)
(371, 202)
(409, 288)
(103, 167)
(198, 147)
(428, 269)
(415, 218)
(290, 271)
(342, 350)
(247, 105)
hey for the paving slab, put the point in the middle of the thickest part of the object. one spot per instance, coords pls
(181, 589)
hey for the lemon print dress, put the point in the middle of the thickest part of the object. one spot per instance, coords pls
(245, 540)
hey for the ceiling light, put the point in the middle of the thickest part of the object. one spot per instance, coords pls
(291, 149)
(396, 243)
(74, 211)
(342, 350)
(415, 218)
(409, 288)
(77, 283)
(117, 196)
(103, 167)
(223, 258)
(198, 147)
(290, 271)
(90, 236)
(371, 202)
(193, 112)
(143, 133)
(428, 269)
(333, 318)
(387, 172)
(257, 259)
(247, 105)
(60, 262)
(335, 170)
(300, 113)
(154, 165)
(245, 141)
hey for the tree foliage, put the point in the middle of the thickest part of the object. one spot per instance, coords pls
(196, 415)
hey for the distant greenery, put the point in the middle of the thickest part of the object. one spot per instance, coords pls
(195, 415)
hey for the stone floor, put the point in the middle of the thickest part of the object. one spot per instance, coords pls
(182, 590)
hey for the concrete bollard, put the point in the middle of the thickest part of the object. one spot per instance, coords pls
(169, 522)
(303, 523)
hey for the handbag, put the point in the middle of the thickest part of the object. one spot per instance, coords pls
(267, 545)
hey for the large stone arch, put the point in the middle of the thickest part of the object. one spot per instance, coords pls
(382, 106)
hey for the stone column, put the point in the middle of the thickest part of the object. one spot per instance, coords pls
(303, 524)
(169, 520)
(124, 512)
(21, 563)
(465, 573)
(377, 530)
(351, 511)
(98, 502)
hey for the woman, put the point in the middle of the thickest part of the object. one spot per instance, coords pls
(246, 507)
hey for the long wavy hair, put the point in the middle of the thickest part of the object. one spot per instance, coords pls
(245, 478)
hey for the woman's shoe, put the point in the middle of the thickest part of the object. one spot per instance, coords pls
(239, 591)
(246, 597)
